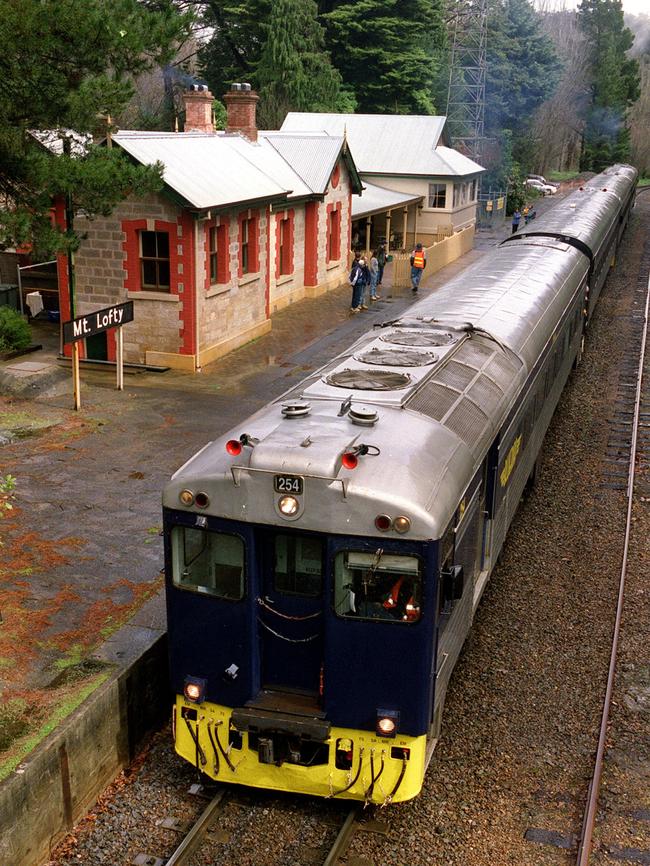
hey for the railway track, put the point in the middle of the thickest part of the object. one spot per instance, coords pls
(196, 835)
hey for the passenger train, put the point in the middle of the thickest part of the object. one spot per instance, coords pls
(324, 560)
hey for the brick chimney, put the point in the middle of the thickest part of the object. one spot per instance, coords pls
(198, 109)
(241, 104)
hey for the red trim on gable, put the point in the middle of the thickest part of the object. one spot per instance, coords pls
(336, 176)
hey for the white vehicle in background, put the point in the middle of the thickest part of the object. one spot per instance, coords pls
(542, 180)
(541, 186)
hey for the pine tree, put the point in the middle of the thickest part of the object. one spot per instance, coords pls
(386, 51)
(615, 84)
(294, 72)
(66, 64)
(522, 71)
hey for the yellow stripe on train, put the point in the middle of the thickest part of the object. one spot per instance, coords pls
(382, 770)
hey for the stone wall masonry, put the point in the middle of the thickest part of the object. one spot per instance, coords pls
(41, 801)
(240, 306)
(287, 289)
(100, 277)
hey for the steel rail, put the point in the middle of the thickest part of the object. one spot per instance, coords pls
(193, 839)
(589, 818)
(343, 839)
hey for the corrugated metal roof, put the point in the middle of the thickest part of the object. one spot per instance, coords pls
(265, 157)
(208, 170)
(389, 143)
(375, 199)
(313, 157)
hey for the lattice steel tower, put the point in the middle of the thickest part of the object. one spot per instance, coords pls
(466, 93)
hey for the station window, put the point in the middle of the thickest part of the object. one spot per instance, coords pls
(218, 254)
(377, 585)
(248, 245)
(154, 261)
(438, 195)
(208, 562)
(333, 234)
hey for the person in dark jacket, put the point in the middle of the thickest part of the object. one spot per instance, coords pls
(516, 219)
(381, 261)
(358, 282)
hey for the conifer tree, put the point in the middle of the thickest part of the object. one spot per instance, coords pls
(386, 51)
(294, 72)
(522, 71)
(67, 64)
(615, 84)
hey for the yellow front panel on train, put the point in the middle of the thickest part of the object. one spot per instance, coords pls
(383, 770)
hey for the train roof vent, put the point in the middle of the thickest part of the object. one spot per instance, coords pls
(413, 338)
(502, 369)
(456, 375)
(476, 353)
(485, 393)
(467, 421)
(364, 416)
(369, 380)
(396, 358)
(295, 409)
(434, 400)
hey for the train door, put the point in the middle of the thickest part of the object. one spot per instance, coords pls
(290, 611)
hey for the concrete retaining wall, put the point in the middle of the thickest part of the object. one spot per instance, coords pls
(42, 800)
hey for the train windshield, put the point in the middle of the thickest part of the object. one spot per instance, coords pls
(209, 562)
(377, 586)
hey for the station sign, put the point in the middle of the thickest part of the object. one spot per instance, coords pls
(98, 321)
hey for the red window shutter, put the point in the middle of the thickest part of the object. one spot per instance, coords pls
(223, 253)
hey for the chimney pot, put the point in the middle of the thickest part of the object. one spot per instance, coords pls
(241, 103)
(198, 109)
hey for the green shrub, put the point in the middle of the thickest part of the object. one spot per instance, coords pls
(14, 331)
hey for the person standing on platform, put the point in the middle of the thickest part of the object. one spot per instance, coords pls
(516, 219)
(357, 281)
(418, 263)
(381, 261)
(373, 267)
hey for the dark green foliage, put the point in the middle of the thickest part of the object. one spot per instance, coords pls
(387, 51)
(522, 71)
(277, 47)
(66, 64)
(14, 331)
(239, 33)
(615, 84)
(294, 72)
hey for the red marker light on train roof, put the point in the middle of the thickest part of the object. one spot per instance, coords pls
(383, 522)
(234, 447)
(350, 460)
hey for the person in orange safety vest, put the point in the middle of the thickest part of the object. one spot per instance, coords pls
(418, 263)
(400, 600)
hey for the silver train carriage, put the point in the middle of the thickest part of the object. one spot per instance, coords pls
(325, 559)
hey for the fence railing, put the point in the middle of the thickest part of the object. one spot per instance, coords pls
(446, 249)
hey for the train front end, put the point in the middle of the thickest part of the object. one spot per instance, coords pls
(302, 602)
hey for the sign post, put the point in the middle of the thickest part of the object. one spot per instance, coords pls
(95, 323)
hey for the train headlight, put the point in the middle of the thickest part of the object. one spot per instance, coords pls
(186, 497)
(202, 500)
(288, 506)
(387, 723)
(194, 689)
(401, 524)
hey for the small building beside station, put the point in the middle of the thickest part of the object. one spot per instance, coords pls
(410, 155)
